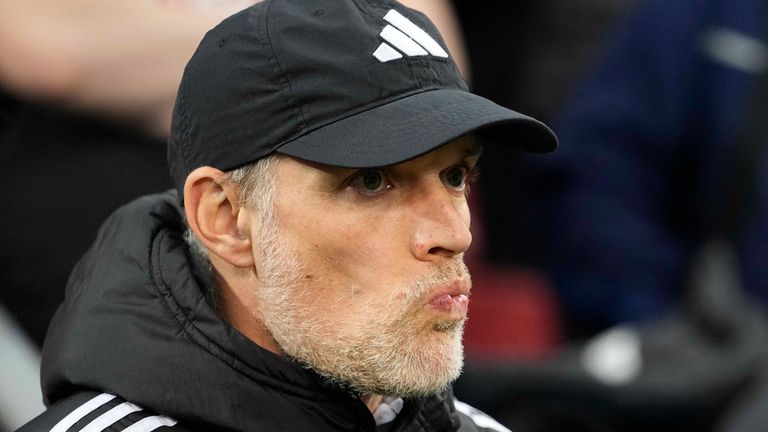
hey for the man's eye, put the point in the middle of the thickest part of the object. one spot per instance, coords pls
(455, 177)
(370, 182)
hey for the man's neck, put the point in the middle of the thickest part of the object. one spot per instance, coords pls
(372, 401)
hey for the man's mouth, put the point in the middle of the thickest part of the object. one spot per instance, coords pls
(451, 299)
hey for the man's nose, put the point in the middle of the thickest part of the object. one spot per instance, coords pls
(441, 224)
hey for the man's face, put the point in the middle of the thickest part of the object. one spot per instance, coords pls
(361, 271)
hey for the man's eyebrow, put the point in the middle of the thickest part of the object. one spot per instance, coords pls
(474, 150)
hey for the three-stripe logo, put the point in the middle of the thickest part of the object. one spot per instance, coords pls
(106, 420)
(402, 36)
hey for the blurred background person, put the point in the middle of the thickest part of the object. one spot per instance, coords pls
(86, 90)
(653, 166)
(528, 54)
(650, 143)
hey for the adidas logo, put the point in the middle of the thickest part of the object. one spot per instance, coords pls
(109, 412)
(402, 36)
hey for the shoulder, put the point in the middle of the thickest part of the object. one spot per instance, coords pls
(472, 419)
(90, 411)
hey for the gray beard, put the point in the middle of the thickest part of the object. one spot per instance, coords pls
(391, 352)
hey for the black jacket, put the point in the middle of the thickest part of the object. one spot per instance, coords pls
(135, 324)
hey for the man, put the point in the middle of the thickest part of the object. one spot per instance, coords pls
(321, 152)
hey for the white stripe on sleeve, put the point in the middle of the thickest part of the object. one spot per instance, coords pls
(82, 411)
(150, 423)
(108, 418)
(479, 418)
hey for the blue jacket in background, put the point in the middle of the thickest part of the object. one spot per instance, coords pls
(645, 145)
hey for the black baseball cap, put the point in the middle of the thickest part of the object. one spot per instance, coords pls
(350, 83)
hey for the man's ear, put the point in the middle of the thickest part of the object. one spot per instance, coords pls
(213, 208)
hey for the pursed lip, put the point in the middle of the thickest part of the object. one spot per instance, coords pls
(451, 299)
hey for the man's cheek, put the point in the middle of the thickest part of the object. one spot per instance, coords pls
(362, 255)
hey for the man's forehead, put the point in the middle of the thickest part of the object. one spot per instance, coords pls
(467, 146)
(471, 145)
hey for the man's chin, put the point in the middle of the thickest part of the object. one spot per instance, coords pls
(418, 373)
(449, 326)
(429, 370)
(402, 389)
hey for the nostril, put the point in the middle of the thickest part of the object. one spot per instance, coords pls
(439, 251)
(424, 250)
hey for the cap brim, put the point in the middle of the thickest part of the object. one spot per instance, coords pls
(416, 124)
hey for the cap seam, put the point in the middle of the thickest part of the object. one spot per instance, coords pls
(285, 80)
(186, 132)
